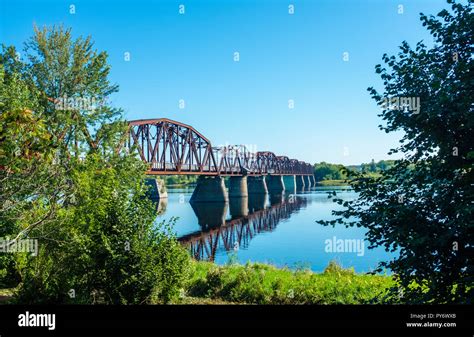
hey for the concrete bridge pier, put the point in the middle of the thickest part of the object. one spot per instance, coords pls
(308, 181)
(238, 187)
(290, 183)
(257, 185)
(275, 184)
(210, 189)
(156, 189)
(313, 179)
(300, 184)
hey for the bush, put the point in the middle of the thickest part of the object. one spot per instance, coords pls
(9, 276)
(107, 248)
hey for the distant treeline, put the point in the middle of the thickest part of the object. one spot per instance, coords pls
(179, 180)
(322, 171)
(328, 171)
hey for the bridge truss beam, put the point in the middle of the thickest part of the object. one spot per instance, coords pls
(171, 147)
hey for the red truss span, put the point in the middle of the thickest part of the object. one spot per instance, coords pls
(171, 147)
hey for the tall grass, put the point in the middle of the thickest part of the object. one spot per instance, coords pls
(264, 284)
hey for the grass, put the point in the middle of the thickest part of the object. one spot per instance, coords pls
(6, 295)
(265, 284)
(333, 182)
(345, 182)
(204, 301)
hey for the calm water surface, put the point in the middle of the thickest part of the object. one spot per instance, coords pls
(277, 229)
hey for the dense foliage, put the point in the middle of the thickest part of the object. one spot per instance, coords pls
(106, 248)
(327, 171)
(373, 166)
(422, 206)
(64, 184)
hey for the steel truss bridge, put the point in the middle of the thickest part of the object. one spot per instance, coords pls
(174, 148)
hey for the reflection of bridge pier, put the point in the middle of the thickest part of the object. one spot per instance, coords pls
(160, 205)
(205, 244)
(257, 202)
(239, 207)
(276, 198)
(210, 215)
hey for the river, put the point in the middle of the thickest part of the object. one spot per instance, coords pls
(280, 230)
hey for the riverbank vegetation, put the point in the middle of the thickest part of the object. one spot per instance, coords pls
(331, 182)
(422, 205)
(327, 174)
(265, 284)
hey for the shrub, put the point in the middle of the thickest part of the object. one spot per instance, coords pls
(107, 248)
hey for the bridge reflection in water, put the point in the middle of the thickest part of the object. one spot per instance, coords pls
(250, 216)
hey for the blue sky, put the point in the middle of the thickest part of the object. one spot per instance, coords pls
(283, 57)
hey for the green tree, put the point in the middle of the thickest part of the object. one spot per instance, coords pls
(327, 171)
(65, 185)
(74, 81)
(30, 180)
(107, 248)
(422, 206)
(373, 167)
